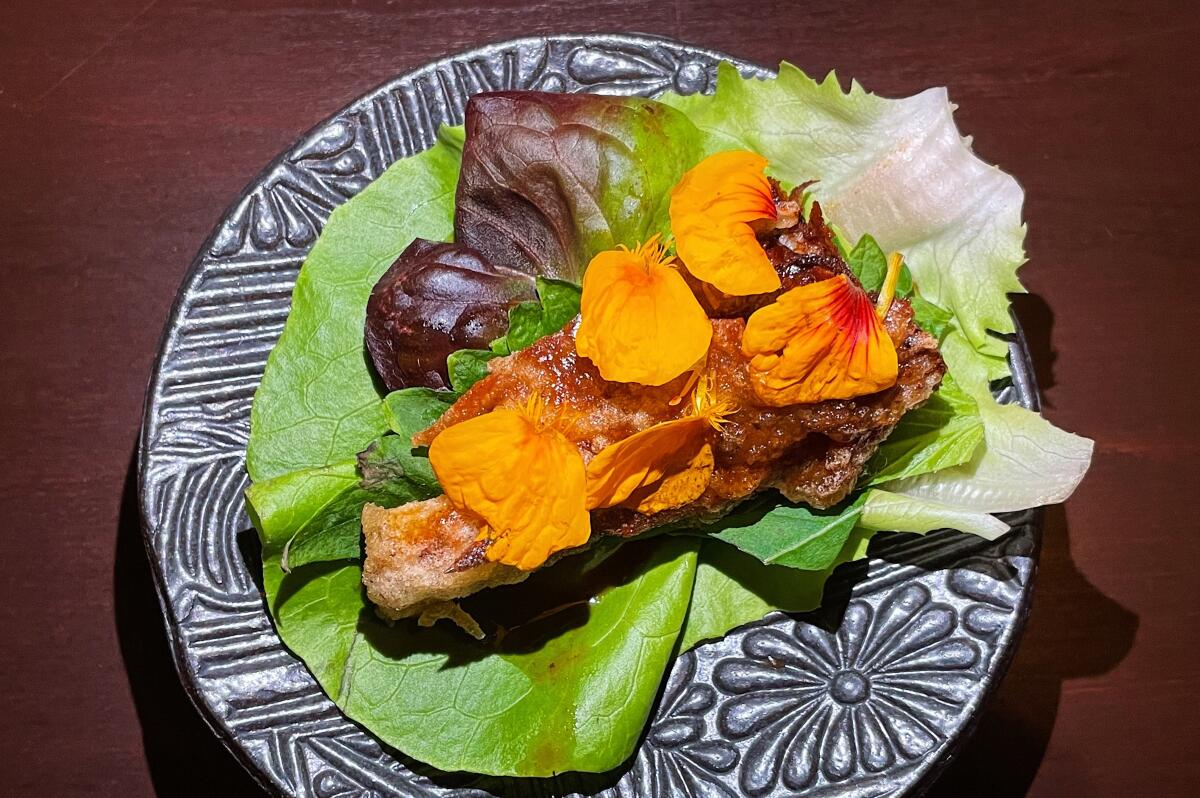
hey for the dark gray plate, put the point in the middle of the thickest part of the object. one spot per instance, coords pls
(921, 633)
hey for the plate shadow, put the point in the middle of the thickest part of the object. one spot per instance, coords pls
(1073, 631)
(184, 757)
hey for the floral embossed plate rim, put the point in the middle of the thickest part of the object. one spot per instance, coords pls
(843, 714)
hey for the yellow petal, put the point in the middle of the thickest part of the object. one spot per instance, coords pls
(664, 466)
(524, 478)
(647, 460)
(639, 320)
(676, 488)
(712, 207)
(818, 341)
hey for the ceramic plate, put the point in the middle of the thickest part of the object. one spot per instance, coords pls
(910, 646)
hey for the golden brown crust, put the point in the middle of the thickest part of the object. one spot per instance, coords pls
(426, 552)
(418, 554)
(411, 551)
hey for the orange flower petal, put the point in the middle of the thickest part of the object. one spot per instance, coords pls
(712, 207)
(664, 466)
(639, 320)
(819, 341)
(678, 487)
(522, 476)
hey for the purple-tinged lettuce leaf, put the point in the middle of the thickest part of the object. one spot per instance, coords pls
(435, 299)
(549, 180)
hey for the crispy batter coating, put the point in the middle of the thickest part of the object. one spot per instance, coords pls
(424, 553)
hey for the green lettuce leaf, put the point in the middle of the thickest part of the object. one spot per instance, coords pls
(1025, 462)
(568, 692)
(884, 511)
(334, 533)
(317, 403)
(315, 515)
(281, 506)
(390, 476)
(733, 588)
(898, 169)
(945, 431)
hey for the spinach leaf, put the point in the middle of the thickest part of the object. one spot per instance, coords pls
(317, 403)
(780, 533)
(467, 367)
(929, 317)
(944, 432)
(558, 303)
(549, 180)
(868, 262)
(411, 410)
(569, 692)
(733, 588)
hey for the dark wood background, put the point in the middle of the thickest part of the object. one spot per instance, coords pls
(126, 127)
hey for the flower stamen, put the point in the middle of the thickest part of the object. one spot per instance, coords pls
(687, 387)
(715, 412)
(888, 292)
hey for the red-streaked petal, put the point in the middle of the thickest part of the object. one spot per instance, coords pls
(816, 342)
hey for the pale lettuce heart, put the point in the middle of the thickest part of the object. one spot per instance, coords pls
(887, 511)
(1025, 461)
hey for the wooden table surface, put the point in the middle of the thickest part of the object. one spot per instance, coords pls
(126, 127)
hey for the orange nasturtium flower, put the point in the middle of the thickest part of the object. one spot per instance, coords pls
(712, 207)
(522, 476)
(661, 467)
(639, 321)
(819, 341)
